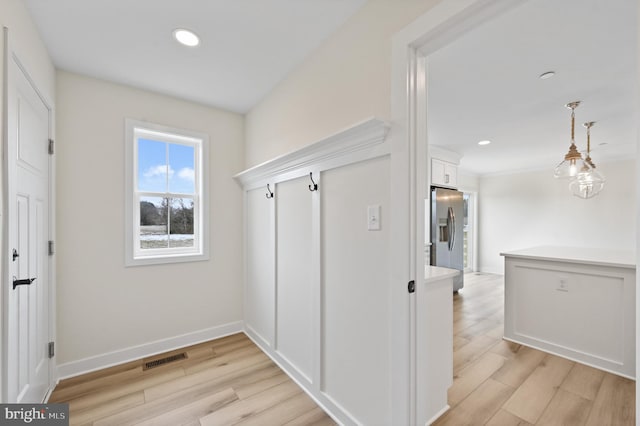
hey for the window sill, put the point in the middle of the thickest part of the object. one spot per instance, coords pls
(161, 260)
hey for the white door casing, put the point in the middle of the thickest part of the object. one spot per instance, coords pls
(411, 46)
(27, 308)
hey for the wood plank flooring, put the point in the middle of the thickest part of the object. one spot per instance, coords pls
(228, 381)
(501, 383)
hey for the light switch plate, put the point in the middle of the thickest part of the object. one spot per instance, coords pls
(563, 284)
(373, 218)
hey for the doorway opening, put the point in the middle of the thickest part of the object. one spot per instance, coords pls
(429, 39)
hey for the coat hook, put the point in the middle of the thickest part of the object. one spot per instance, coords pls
(270, 193)
(314, 185)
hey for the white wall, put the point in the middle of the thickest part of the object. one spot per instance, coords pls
(346, 80)
(25, 39)
(26, 42)
(468, 182)
(523, 210)
(103, 306)
(356, 322)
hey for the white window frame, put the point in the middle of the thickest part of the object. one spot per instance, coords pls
(134, 256)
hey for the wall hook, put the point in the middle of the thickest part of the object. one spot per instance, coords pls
(314, 185)
(269, 194)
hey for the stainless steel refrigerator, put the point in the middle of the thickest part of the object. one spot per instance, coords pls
(447, 240)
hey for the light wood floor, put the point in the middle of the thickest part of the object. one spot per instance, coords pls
(501, 383)
(230, 381)
(227, 381)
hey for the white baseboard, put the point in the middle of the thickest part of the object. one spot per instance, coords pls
(87, 365)
(438, 414)
(491, 270)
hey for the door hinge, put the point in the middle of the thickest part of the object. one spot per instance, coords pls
(51, 147)
(52, 248)
(52, 349)
(412, 286)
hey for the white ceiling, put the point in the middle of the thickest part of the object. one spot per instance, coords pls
(247, 46)
(486, 86)
(483, 86)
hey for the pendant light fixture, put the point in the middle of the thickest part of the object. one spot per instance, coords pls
(588, 182)
(570, 166)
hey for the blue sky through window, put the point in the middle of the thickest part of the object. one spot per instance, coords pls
(165, 167)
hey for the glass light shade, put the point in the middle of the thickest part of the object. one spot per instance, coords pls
(568, 169)
(588, 183)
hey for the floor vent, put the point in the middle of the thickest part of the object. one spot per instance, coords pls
(162, 361)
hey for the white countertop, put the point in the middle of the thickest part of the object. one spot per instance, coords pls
(435, 273)
(587, 256)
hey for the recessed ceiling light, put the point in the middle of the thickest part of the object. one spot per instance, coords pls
(546, 75)
(186, 37)
(485, 142)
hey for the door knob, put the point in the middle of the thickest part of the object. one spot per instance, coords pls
(26, 281)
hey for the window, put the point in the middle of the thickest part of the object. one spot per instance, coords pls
(166, 200)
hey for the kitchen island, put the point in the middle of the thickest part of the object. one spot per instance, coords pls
(578, 303)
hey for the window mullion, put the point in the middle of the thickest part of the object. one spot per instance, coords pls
(164, 194)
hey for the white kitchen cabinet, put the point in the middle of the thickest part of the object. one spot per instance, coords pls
(444, 173)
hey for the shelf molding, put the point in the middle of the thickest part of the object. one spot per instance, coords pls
(360, 142)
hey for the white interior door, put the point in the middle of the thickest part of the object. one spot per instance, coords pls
(27, 228)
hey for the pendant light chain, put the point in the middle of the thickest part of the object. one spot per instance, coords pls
(573, 123)
(588, 126)
(588, 160)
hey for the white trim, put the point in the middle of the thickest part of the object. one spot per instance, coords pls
(402, 383)
(361, 141)
(317, 350)
(52, 258)
(475, 225)
(637, 114)
(98, 362)
(200, 143)
(436, 28)
(472, 215)
(438, 414)
(4, 302)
